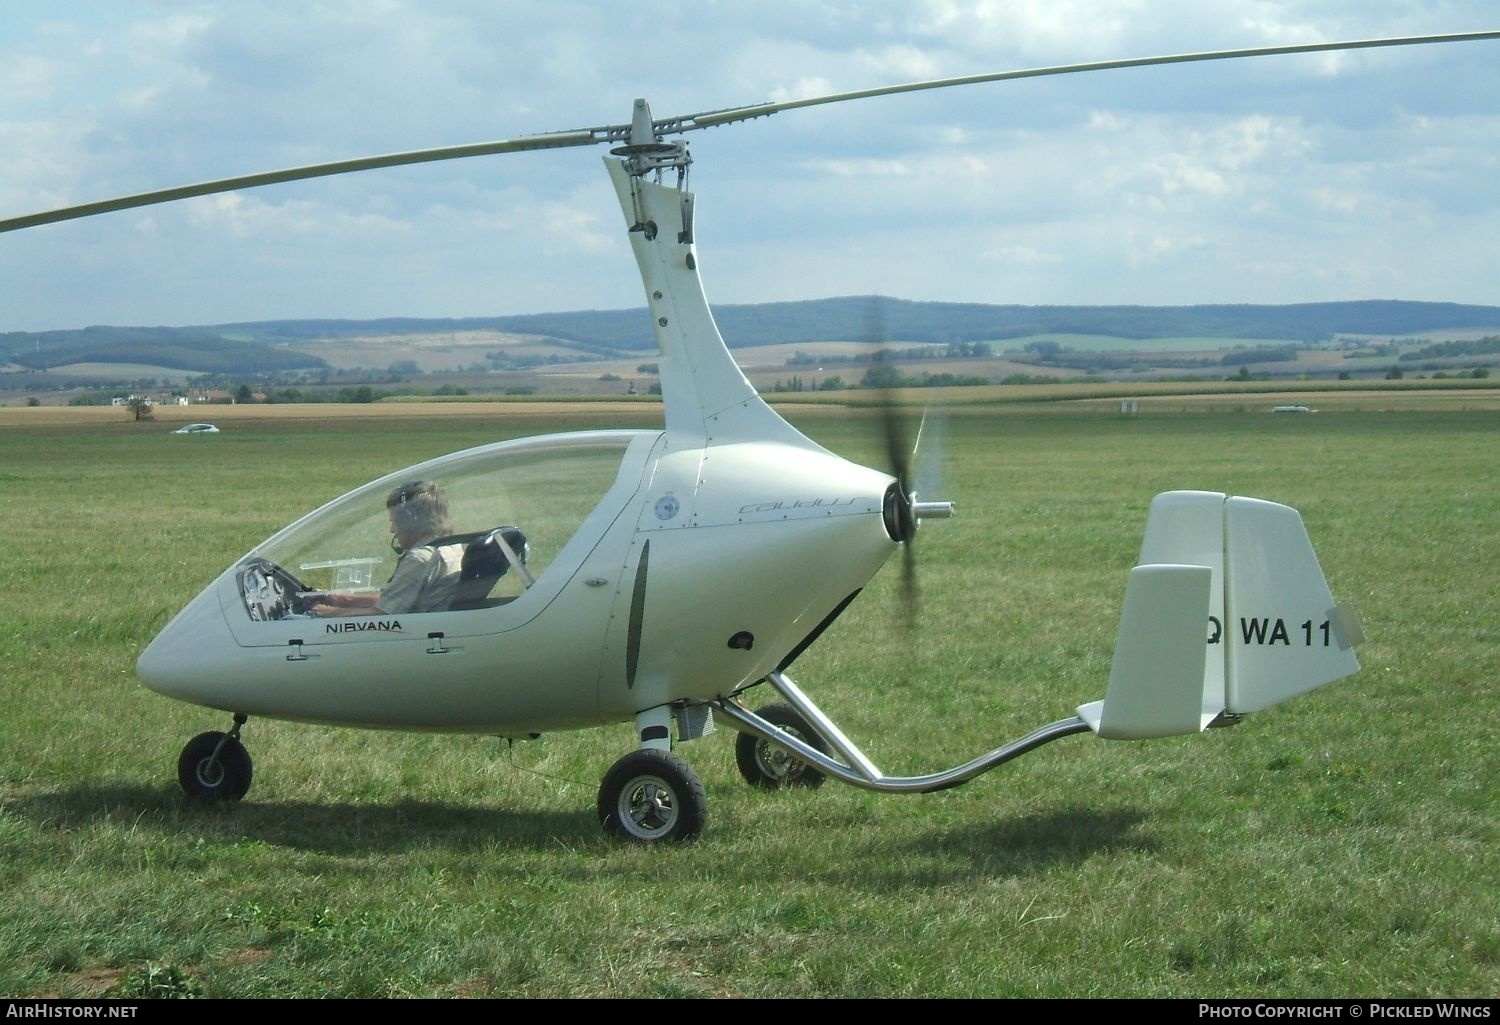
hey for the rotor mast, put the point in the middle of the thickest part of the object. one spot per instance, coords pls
(707, 399)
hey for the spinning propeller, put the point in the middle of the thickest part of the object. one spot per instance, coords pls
(903, 510)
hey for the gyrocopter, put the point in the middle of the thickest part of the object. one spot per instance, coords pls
(657, 576)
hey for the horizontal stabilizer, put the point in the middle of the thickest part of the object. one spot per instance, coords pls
(1156, 681)
(1187, 528)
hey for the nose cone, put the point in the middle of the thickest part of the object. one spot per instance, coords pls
(181, 661)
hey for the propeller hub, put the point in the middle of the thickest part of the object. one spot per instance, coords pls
(897, 511)
(931, 510)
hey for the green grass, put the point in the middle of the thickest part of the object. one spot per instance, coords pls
(1343, 844)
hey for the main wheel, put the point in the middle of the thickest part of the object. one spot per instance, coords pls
(768, 765)
(214, 767)
(651, 795)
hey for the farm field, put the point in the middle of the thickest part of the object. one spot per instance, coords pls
(1343, 844)
(443, 351)
(447, 361)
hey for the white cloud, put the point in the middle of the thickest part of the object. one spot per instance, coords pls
(28, 78)
(1024, 256)
(1337, 200)
(577, 227)
(1150, 247)
(862, 168)
(801, 89)
(1039, 28)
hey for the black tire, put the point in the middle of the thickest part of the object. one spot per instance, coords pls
(771, 767)
(207, 778)
(650, 796)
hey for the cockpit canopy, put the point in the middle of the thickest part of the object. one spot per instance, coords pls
(541, 489)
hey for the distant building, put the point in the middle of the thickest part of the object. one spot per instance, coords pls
(151, 400)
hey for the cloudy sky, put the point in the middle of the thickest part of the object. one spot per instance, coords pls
(1273, 180)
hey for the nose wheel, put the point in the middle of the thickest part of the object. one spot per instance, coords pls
(215, 766)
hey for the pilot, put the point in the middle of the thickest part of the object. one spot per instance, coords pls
(426, 575)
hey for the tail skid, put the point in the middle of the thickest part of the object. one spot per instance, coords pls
(1227, 613)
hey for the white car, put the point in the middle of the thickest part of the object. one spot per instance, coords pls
(197, 429)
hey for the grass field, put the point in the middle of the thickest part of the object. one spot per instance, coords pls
(1343, 844)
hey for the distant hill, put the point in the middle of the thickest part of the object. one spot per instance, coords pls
(260, 347)
(202, 350)
(878, 318)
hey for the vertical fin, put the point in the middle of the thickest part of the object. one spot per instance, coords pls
(1285, 635)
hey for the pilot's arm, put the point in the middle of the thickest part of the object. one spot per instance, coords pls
(342, 603)
(401, 593)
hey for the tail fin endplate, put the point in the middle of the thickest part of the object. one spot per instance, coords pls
(1227, 611)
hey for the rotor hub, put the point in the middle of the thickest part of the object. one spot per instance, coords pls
(645, 152)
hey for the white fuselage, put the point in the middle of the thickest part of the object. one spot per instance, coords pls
(696, 575)
(722, 544)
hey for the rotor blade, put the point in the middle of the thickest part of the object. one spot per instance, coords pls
(554, 140)
(679, 124)
(710, 119)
